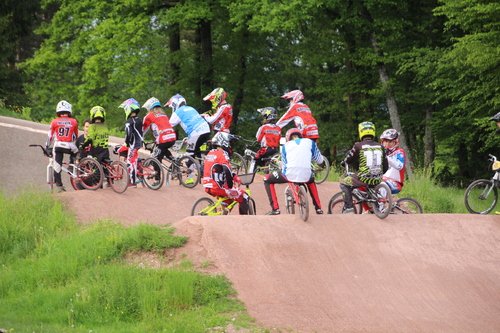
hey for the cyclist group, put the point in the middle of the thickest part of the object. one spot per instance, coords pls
(377, 161)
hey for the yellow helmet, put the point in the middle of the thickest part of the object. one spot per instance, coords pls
(97, 112)
(366, 129)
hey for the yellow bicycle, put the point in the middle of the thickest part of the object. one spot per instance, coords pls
(207, 206)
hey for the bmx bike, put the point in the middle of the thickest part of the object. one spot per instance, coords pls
(481, 196)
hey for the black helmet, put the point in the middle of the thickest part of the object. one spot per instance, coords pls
(268, 113)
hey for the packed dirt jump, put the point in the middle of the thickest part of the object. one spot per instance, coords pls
(333, 273)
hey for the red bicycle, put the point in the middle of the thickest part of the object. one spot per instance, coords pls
(296, 193)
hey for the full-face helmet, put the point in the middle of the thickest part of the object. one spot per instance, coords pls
(151, 103)
(366, 129)
(269, 114)
(97, 112)
(176, 102)
(294, 96)
(130, 105)
(217, 97)
(64, 106)
(390, 135)
(292, 131)
(495, 117)
(223, 140)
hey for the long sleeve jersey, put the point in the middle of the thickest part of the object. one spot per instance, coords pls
(63, 129)
(269, 135)
(98, 137)
(160, 126)
(217, 170)
(396, 161)
(372, 161)
(133, 132)
(222, 118)
(190, 120)
(296, 156)
(303, 119)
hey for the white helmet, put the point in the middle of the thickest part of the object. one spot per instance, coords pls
(151, 103)
(64, 106)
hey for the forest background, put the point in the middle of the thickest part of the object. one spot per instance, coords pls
(429, 68)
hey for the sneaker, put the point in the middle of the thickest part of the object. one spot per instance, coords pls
(319, 211)
(61, 188)
(189, 181)
(132, 185)
(497, 213)
(156, 183)
(274, 212)
(348, 211)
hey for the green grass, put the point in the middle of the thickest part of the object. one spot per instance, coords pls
(433, 198)
(59, 276)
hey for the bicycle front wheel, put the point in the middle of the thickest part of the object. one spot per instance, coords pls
(252, 208)
(481, 196)
(289, 202)
(90, 173)
(152, 173)
(118, 176)
(321, 171)
(336, 204)
(188, 171)
(383, 204)
(202, 207)
(407, 206)
(303, 203)
(238, 164)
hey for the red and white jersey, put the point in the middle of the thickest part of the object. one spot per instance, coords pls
(217, 170)
(397, 163)
(303, 118)
(222, 119)
(269, 135)
(160, 126)
(63, 129)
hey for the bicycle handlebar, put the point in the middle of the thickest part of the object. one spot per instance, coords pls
(45, 152)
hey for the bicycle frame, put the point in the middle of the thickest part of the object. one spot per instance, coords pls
(296, 194)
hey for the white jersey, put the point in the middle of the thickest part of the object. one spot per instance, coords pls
(190, 120)
(297, 156)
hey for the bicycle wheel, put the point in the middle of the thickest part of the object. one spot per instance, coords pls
(321, 171)
(188, 171)
(50, 177)
(90, 173)
(339, 196)
(152, 173)
(383, 204)
(303, 203)
(407, 206)
(252, 208)
(238, 163)
(481, 196)
(289, 202)
(118, 176)
(200, 206)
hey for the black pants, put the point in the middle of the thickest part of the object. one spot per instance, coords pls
(58, 157)
(161, 150)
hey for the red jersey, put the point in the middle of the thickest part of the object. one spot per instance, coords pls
(63, 129)
(269, 135)
(303, 118)
(222, 119)
(217, 170)
(160, 125)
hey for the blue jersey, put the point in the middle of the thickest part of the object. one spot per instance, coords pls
(190, 120)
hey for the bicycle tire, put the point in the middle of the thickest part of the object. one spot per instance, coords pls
(339, 196)
(118, 176)
(252, 208)
(407, 206)
(183, 170)
(50, 177)
(238, 164)
(289, 202)
(303, 203)
(152, 173)
(479, 198)
(201, 204)
(383, 204)
(321, 171)
(337, 206)
(90, 173)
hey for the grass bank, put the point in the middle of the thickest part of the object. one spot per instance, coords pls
(59, 276)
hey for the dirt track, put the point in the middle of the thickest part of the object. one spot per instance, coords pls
(425, 273)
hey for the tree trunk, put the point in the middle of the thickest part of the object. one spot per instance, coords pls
(242, 69)
(429, 147)
(174, 44)
(392, 106)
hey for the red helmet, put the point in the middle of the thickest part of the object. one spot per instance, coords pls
(295, 96)
(292, 131)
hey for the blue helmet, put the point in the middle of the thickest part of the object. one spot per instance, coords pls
(176, 102)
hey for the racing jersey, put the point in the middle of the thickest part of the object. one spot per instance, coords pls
(222, 119)
(269, 135)
(217, 170)
(64, 131)
(133, 132)
(97, 137)
(303, 118)
(190, 120)
(396, 161)
(372, 161)
(296, 156)
(160, 126)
